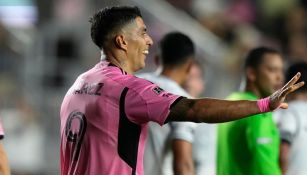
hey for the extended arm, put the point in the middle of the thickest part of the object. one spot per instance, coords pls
(217, 111)
(212, 110)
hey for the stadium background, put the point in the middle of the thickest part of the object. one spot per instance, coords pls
(44, 45)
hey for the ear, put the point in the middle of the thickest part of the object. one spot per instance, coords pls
(120, 42)
(250, 74)
(189, 64)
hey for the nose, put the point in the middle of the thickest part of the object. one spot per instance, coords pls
(149, 40)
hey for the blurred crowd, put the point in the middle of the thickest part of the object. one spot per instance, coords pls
(244, 24)
(45, 44)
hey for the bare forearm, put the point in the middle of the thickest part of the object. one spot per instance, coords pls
(212, 110)
(283, 157)
(218, 111)
(4, 166)
(183, 160)
(283, 165)
(182, 169)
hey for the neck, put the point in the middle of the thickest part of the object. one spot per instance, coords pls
(174, 74)
(118, 59)
(252, 88)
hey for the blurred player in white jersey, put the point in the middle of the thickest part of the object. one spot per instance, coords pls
(4, 165)
(293, 127)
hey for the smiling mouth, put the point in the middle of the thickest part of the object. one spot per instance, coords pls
(146, 52)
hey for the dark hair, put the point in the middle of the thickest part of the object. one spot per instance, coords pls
(255, 57)
(175, 48)
(109, 20)
(298, 67)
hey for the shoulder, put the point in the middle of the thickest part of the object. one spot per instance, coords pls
(136, 83)
(165, 83)
(296, 112)
(147, 76)
(295, 108)
(298, 105)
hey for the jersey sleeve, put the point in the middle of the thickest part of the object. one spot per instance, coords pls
(146, 102)
(183, 131)
(287, 125)
(262, 143)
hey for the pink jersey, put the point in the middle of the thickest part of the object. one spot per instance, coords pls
(104, 118)
(1, 131)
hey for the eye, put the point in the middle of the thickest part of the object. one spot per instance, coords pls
(144, 32)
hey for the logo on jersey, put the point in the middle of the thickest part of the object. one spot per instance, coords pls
(264, 140)
(90, 89)
(157, 90)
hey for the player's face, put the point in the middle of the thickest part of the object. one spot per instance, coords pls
(269, 74)
(138, 45)
(195, 84)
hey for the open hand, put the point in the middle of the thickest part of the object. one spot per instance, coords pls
(277, 98)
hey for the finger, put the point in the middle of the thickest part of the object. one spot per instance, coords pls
(292, 88)
(293, 80)
(297, 86)
(283, 105)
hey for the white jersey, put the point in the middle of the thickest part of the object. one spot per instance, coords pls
(203, 139)
(158, 151)
(293, 129)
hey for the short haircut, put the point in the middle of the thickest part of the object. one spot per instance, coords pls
(255, 57)
(109, 20)
(298, 67)
(175, 49)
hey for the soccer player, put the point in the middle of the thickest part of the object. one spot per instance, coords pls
(293, 127)
(194, 151)
(105, 113)
(175, 60)
(4, 165)
(250, 146)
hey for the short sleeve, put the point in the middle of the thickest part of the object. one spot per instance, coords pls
(1, 131)
(183, 131)
(146, 102)
(287, 125)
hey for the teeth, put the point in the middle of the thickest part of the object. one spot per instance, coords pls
(145, 52)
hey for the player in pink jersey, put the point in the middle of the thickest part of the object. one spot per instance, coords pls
(105, 113)
(4, 165)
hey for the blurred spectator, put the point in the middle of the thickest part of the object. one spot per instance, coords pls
(241, 11)
(185, 5)
(190, 145)
(250, 146)
(297, 48)
(24, 143)
(4, 165)
(293, 127)
(175, 57)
